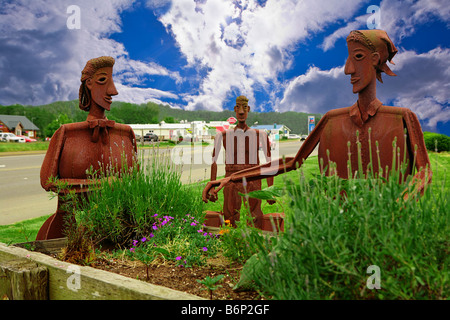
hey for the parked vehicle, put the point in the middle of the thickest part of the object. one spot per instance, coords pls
(28, 139)
(150, 136)
(10, 137)
(293, 136)
(303, 137)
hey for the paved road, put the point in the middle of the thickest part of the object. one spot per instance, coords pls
(21, 195)
(22, 198)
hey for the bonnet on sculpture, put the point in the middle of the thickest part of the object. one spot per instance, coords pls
(377, 41)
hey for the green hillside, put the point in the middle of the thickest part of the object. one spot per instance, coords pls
(50, 115)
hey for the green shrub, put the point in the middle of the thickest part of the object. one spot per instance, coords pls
(124, 209)
(436, 142)
(331, 240)
(181, 239)
(243, 241)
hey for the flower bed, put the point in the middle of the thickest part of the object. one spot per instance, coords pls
(171, 275)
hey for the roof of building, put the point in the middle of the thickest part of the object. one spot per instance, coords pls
(11, 121)
(163, 126)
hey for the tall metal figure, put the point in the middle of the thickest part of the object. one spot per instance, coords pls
(368, 120)
(97, 143)
(241, 146)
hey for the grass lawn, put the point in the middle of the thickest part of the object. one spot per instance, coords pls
(22, 231)
(27, 230)
(30, 146)
(440, 164)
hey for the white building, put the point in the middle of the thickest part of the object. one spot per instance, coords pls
(275, 131)
(196, 130)
(200, 130)
(165, 131)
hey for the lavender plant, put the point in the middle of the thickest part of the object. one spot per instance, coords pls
(335, 229)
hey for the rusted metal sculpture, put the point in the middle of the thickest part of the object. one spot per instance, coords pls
(241, 145)
(96, 144)
(368, 123)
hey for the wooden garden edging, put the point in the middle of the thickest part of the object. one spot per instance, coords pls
(67, 281)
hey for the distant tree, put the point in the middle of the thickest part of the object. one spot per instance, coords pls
(151, 113)
(110, 116)
(169, 120)
(55, 124)
(130, 113)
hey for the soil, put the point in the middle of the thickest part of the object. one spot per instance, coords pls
(183, 279)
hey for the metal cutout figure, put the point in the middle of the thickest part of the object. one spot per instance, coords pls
(97, 143)
(340, 130)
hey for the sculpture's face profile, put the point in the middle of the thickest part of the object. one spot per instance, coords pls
(102, 87)
(360, 65)
(241, 109)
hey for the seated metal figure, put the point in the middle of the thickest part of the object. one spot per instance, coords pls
(97, 143)
(368, 119)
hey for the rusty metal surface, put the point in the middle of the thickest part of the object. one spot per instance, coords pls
(241, 145)
(96, 143)
(367, 123)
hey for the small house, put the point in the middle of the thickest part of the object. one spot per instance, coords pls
(19, 125)
(275, 131)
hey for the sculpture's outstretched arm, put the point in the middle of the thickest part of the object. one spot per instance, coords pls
(272, 168)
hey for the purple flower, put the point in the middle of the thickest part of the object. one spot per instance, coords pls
(135, 242)
(131, 249)
(193, 224)
(199, 230)
(155, 215)
(205, 249)
(178, 258)
(205, 234)
(151, 235)
(155, 228)
(144, 239)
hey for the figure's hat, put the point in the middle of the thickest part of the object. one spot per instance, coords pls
(94, 64)
(377, 41)
(242, 99)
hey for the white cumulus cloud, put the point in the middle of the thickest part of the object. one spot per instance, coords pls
(244, 46)
(41, 59)
(422, 84)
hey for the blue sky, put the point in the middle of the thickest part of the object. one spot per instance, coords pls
(201, 54)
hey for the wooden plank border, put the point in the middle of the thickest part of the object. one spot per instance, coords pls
(73, 282)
